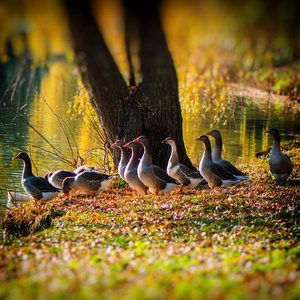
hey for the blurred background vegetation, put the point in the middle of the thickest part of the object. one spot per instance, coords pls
(213, 43)
(233, 36)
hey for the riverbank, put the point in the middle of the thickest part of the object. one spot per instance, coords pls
(242, 243)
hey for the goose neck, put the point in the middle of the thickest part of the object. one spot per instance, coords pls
(146, 159)
(207, 151)
(27, 169)
(217, 151)
(124, 156)
(133, 162)
(276, 144)
(174, 155)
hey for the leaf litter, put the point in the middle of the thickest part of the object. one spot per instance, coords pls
(240, 243)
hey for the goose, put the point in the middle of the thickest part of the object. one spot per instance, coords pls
(214, 174)
(85, 168)
(154, 177)
(89, 182)
(56, 178)
(130, 172)
(38, 188)
(180, 172)
(124, 158)
(280, 164)
(217, 157)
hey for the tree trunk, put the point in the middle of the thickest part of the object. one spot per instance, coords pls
(152, 108)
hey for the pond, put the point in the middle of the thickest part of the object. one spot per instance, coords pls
(41, 98)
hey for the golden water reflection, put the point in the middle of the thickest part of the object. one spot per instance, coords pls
(44, 106)
(244, 135)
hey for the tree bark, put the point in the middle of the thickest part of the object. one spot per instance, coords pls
(152, 108)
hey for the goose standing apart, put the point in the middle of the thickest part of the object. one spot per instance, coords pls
(89, 182)
(130, 172)
(180, 172)
(56, 178)
(38, 188)
(154, 177)
(124, 158)
(214, 174)
(280, 164)
(217, 157)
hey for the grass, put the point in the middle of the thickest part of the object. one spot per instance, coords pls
(242, 243)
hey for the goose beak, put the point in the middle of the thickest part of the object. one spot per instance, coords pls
(209, 133)
(126, 145)
(136, 140)
(17, 156)
(197, 138)
(268, 131)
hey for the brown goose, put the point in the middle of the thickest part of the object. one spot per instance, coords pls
(130, 172)
(214, 174)
(124, 157)
(89, 182)
(217, 157)
(180, 172)
(38, 188)
(56, 178)
(280, 164)
(154, 177)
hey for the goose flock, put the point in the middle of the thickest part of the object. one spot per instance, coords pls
(144, 177)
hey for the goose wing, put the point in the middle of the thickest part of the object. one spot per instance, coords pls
(230, 168)
(64, 174)
(91, 180)
(41, 184)
(162, 174)
(221, 172)
(188, 172)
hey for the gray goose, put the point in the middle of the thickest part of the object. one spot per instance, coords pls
(214, 174)
(56, 178)
(130, 173)
(38, 188)
(124, 157)
(89, 182)
(217, 157)
(180, 172)
(280, 164)
(154, 177)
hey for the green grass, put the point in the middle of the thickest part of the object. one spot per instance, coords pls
(242, 243)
